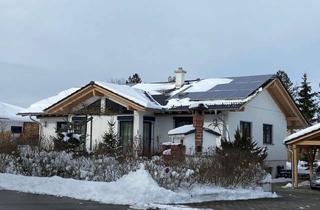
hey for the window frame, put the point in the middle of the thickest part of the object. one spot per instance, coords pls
(242, 122)
(265, 135)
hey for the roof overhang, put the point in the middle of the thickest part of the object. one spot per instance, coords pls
(295, 118)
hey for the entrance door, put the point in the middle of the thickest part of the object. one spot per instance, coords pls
(126, 135)
(147, 138)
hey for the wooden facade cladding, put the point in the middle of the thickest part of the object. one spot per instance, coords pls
(91, 90)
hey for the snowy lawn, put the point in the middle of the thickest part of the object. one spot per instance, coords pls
(136, 188)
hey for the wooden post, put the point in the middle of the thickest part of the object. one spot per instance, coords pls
(294, 166)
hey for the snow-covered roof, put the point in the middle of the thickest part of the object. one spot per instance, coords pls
(187, 129)
(214, 93)
(9, 112)
(40, 106)
(136, 95)
(155, 88)
(303, 132)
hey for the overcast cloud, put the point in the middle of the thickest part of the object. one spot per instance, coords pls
(48, 45)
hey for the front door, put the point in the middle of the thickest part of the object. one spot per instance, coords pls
(147, 138)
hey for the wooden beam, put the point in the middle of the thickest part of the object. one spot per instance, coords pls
(309, 143)
(294, 166)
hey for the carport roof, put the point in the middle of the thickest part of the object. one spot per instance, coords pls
(303, 133)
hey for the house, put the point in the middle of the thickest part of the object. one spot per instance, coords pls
(146, 113)
(10, 123)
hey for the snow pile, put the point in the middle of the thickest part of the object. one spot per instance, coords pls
(303, 132)
(135, 188)
(40, 106)
(9, 112)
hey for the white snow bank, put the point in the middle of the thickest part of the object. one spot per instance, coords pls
(135, 188)
(40, 106)
(207, 84)
(303, 132)
(9, 112)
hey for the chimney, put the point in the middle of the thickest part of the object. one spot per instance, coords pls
(180, 74)
(198, 123)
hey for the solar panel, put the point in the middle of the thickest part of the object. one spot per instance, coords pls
(239, 88)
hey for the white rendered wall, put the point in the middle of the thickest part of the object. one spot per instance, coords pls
(209, 142)
(161, 128)
(263, 110)
(99, 127)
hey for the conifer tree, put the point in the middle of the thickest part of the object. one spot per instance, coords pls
(111, 143)
(307, 100)
(284, 77)
(134, 79)
(249, 150)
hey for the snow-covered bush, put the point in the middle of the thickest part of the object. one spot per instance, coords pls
(34, 162)
(168, 174)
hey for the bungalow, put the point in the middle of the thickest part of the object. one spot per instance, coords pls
(10, 123)
(147, 113)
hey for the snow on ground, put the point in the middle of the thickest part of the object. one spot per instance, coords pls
(163, 207)
(303, 132)
(136, 188)
(281, 180)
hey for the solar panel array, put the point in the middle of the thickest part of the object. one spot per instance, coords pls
(239, 88)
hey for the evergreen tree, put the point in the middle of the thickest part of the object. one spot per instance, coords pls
(284, 77)
(307, 100)
(111, 143)
(247, 150)
(134, 79)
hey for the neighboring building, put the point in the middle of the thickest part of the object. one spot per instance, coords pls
(259, 106)
(10, 122)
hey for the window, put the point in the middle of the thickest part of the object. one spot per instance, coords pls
(62, 127)
(181, 121)
(267, 134)
(245, 129)
(16, 129)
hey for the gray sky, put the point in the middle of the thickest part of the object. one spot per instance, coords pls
(47, 46)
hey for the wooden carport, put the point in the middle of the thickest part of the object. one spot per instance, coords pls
(308, 140)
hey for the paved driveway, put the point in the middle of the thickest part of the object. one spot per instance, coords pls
(11, 200)
(299, 199)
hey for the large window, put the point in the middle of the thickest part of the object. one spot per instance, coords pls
(126, 134)
(245, 129)
(267, 134)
